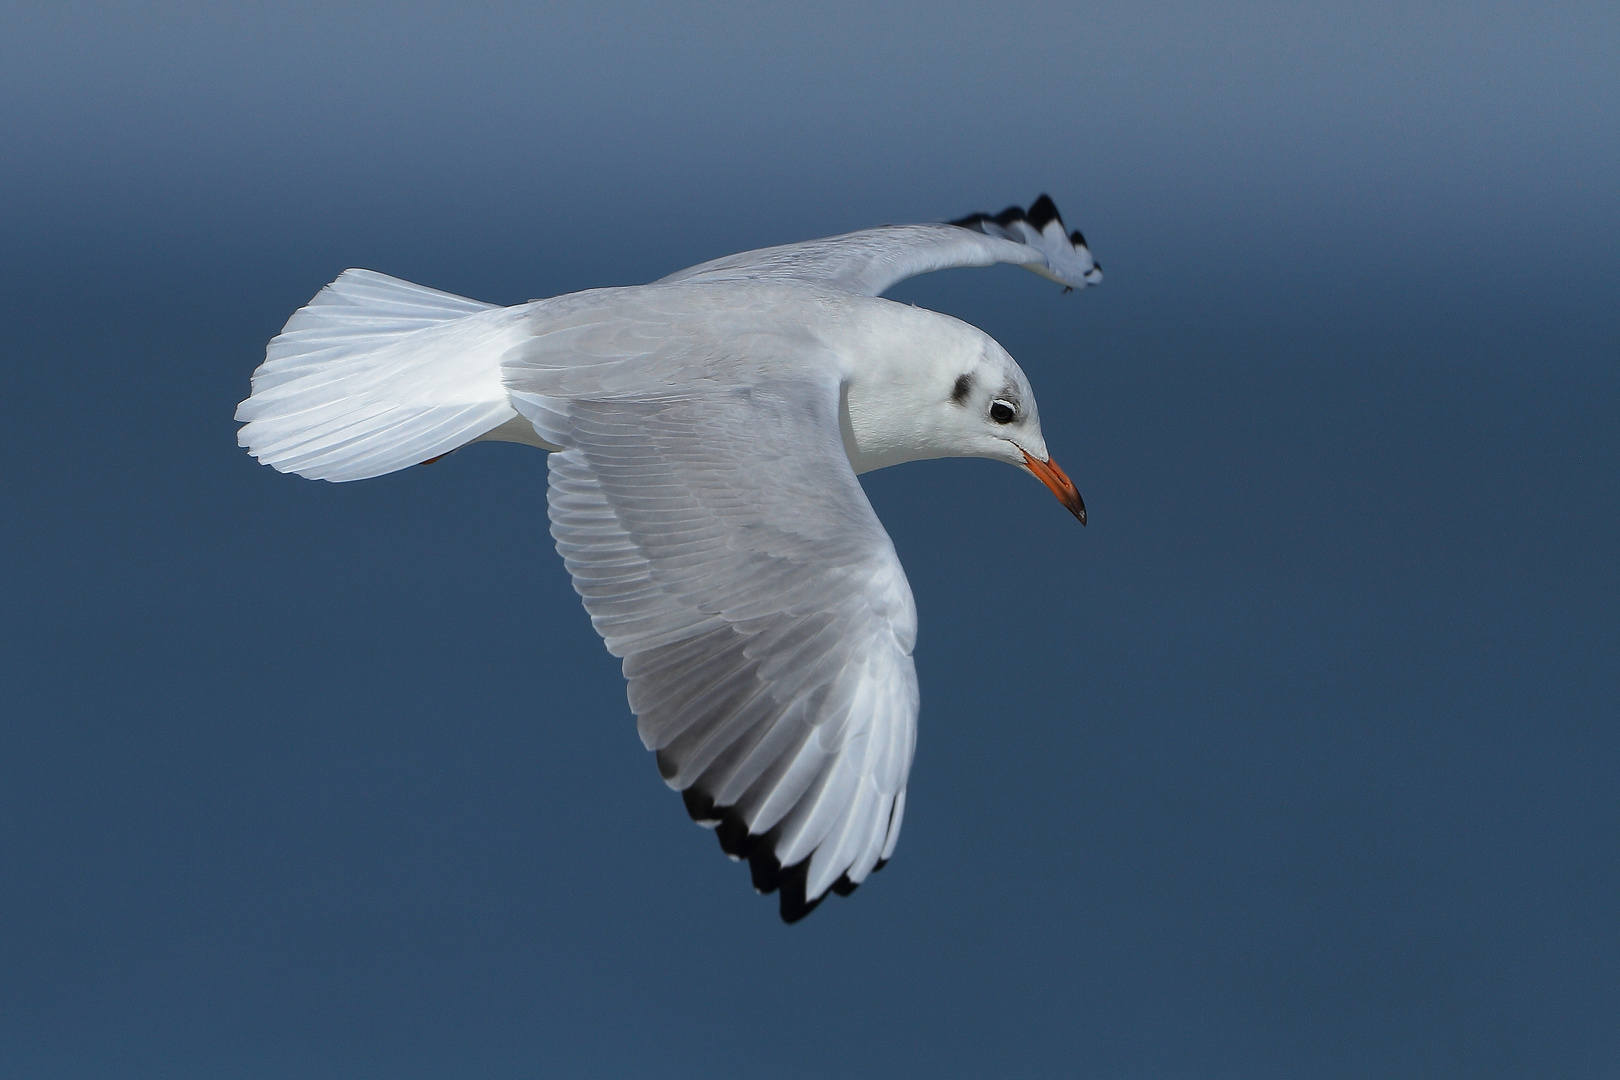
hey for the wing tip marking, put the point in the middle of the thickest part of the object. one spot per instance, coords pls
(1042, 213)
(765, 871)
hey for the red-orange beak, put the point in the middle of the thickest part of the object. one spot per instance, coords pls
(1048, 473)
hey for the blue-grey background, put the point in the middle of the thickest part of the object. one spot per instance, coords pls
(1301, 761)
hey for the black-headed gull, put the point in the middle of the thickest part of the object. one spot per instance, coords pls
(705, 434)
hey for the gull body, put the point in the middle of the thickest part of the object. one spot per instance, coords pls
(705, 433)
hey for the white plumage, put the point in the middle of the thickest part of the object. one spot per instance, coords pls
(707, 431)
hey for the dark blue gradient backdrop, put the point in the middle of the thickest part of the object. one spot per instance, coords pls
(1300, 761)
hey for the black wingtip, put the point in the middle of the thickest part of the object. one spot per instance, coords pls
(1042, 212)
(764, 872)
(1008, 216)
(729, 827)
(767, 874)
(700, 807)
(792, 885)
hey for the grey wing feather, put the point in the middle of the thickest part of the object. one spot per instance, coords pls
(725, 550)
(871, 261)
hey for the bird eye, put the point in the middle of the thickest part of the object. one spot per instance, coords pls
(1003, 412)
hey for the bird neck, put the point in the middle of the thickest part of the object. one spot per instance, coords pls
(887, 411)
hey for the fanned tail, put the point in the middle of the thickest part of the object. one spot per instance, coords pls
(376, 374)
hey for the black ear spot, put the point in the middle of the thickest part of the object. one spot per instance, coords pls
(964, 385)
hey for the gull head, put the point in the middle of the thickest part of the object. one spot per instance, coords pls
(931, 386)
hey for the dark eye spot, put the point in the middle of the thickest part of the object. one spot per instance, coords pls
(964, 385)
(1003, 412)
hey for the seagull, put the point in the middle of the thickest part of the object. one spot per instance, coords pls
(705, 432)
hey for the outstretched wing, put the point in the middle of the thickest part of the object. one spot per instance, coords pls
(725, 550)
(870, 261)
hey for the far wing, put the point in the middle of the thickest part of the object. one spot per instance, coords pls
(871, 261)
(726, 552)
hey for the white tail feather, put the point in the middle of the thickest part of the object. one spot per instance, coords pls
(376, 374)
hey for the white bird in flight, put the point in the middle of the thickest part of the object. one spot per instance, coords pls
(705, 432)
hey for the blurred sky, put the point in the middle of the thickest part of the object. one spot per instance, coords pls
(1300, 761)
